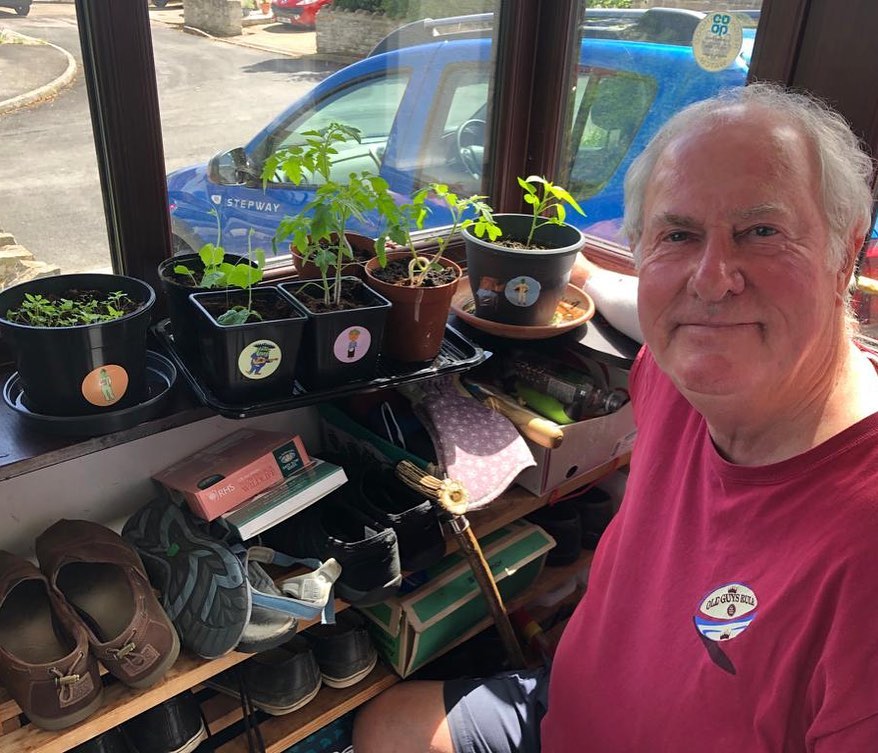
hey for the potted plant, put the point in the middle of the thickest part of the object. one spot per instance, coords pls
(519, 275)
(420, 285)
(248, 337)
(79, 341)
(209, 269)
(346, 317)
(312, 161)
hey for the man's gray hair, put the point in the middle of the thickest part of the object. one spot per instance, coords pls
(845, 167)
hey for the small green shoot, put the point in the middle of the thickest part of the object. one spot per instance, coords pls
(552, 201)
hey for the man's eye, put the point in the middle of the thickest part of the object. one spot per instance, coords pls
(763, 231)
(677, 236)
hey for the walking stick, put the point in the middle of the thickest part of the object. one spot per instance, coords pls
(452, 499)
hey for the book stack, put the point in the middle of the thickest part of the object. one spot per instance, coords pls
(284, 499)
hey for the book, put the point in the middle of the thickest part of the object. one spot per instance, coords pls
(286, 498)
(230, 471)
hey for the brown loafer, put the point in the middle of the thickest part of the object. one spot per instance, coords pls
(101, 577)
(45, 663)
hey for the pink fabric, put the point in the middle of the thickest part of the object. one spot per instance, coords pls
(695, 539)
(474, 445)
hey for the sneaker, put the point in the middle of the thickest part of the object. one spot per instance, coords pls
(412, 516)
(203, 586)
(344, 651)
(561, 522)
(102, 578)
(45, 664)
(277, 608)
(175, 726)
(277, 681)
(335, 529)
(112, 741)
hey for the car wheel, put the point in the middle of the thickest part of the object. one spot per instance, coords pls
(22, 10)
(159, 3)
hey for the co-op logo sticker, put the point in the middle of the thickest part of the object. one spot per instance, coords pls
(726, 612)
(259, 359)
(352, 344)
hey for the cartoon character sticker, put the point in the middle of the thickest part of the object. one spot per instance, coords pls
(352, 344)
(522, 291)
(105, 385)
(259, 359)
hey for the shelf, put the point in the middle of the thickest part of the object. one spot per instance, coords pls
(458, 353)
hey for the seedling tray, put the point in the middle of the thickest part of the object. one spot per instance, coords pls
(457, 354)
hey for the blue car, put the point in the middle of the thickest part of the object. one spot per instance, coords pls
(421, 108)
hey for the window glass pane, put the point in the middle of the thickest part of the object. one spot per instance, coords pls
(414, 88)
(50, 196)
(637, 66)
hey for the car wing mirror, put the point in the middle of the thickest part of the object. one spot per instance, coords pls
(232, 168)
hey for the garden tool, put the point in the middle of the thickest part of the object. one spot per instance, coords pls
(451, 496)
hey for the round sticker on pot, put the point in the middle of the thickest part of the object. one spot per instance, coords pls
(717, 40)
(259, 359)
(352, 344)
(105, 385)
(522, 291)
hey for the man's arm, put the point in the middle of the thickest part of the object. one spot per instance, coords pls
(614, 295)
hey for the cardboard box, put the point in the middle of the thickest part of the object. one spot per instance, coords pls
(411, 629)
(587, 445)
(233, 469)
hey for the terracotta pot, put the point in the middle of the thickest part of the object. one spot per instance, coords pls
(416, 324)
(359, 243)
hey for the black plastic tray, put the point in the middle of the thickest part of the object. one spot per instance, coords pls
(458, 353)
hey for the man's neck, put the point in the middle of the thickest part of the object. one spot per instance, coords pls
(851, 394)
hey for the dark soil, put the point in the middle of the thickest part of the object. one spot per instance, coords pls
(353, 296)
(519, 245)
(94, 301)
(397, 273)
(269, 307)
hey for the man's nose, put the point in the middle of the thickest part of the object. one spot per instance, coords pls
(716, 273)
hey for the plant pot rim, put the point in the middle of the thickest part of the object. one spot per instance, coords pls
(381, 303)
(560, 250)
(145, 306)
(296, 306)
(397, 255)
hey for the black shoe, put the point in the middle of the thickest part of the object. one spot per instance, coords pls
(382, 496)
(112, 741)
(366, 550)
(344, 651)
(595, 509)
(561, 522)
(202, 583)
(277, 681)
(175, 726)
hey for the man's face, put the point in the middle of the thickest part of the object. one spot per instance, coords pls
(736, 297)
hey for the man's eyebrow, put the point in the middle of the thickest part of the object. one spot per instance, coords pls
(760, 210)
(680, 220)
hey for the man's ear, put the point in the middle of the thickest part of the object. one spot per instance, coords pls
(846, 273)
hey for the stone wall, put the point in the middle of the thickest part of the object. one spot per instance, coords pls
(17, 264)
(350, 34)
(700, 5)
(221, 18)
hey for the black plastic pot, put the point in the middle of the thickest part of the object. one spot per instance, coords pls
(252, 361)
(90, 368)
(343, 345)
(177, 288)
(521, 287)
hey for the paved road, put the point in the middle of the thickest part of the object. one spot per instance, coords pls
(213, 95)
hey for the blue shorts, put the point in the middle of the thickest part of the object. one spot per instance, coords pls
(499, 714)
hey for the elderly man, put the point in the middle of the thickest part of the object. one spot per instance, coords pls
(730, 605)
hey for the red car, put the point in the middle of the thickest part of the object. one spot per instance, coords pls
(297, 12)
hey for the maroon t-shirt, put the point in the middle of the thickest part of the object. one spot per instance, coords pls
(729, 608)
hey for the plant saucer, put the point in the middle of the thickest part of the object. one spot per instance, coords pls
(574, 309)
(161, 375)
